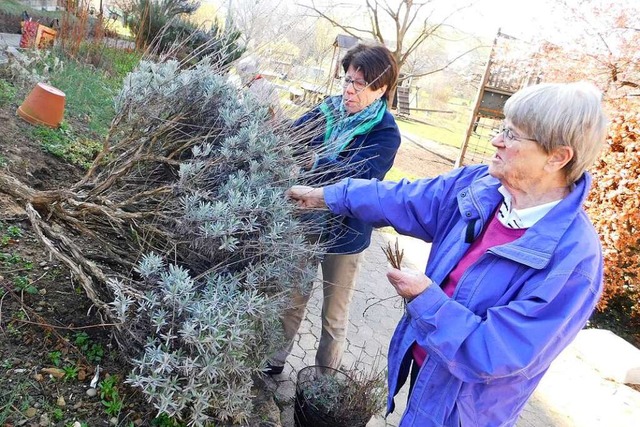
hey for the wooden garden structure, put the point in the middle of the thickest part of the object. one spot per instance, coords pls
(512, 65)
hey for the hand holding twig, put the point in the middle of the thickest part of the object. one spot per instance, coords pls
(408, 284)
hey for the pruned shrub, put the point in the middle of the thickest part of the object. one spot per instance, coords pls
(224, 248)
(181, 235)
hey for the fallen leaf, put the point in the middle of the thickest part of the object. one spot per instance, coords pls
(55, 372)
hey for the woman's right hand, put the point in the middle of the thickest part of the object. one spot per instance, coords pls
(408, 283)
(307, 197)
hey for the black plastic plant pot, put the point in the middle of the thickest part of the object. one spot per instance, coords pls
(318, 394)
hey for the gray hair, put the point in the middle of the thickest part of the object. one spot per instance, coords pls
(562, 114)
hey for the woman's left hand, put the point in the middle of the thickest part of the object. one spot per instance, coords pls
(408, 284)
(307, 197)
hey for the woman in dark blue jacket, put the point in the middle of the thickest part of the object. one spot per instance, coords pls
(350, 135)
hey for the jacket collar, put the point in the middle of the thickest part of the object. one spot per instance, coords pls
(539, 242)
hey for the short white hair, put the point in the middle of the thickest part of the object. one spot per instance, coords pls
(562, 114)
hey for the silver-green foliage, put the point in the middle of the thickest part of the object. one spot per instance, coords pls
(349, 397)
(208, 301)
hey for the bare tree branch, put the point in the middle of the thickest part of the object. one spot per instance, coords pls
(405, 15)
(353, 31)
(630, 84)
(375, 21)
(445, 66)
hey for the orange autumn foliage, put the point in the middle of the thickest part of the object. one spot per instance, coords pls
(614, 207)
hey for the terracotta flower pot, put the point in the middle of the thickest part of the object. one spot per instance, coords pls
(43, 106)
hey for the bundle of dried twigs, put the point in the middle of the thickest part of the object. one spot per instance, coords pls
(394, 255)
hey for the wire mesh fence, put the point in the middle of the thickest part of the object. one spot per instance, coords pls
(478, 147)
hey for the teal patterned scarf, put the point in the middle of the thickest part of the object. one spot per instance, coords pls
(342, 127)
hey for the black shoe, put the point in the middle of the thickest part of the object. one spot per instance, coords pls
(273, 369)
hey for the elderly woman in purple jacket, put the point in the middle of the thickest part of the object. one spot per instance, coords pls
(515, 268)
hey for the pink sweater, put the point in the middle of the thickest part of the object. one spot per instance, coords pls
(494, 234)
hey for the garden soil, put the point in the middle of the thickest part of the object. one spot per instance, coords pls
(51, 336)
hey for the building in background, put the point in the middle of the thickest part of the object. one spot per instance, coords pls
(49, 5)
(108, 6)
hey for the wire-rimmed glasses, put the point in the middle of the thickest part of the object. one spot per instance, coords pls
(509, 137)
(358, 85)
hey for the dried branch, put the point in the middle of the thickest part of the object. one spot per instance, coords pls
(81, 268)
(394, 255)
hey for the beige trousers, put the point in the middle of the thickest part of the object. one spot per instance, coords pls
(339, 273)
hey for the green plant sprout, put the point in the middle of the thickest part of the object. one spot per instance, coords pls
(163, 420)
(57, 415)
(92, 351)
(70, 372)
(109, 396)
(14, 231)
(24, 284)
(55, 357)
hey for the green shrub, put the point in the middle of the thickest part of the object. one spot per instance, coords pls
(63, 142)
(7, 92)
(115, 62)
(89, 94)
(164, 27)
(149, 19)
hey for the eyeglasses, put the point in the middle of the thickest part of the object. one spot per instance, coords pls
(358, 85)
(508, 137)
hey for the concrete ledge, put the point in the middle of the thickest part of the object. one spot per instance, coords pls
(613, 357)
